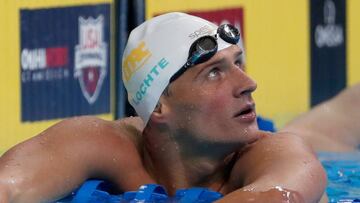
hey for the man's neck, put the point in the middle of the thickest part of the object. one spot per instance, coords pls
(177, 164)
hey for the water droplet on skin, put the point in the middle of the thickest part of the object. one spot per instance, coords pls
(245, 130)
(249, 189)
(114, 159)
(12, 180)
(286, 194)
(326, 108)
(279, 188)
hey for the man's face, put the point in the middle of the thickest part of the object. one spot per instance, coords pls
(212, 101)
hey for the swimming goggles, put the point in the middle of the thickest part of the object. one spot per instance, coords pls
(205, 47)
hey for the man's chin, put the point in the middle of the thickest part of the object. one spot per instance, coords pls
(251, 128)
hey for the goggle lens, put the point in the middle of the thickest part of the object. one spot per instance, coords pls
(201, 51)
(229, 33)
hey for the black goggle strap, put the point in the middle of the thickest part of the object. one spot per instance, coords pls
(177, 74)
(190, 62)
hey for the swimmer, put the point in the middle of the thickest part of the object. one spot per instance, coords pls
(197, 127)
(333, 124)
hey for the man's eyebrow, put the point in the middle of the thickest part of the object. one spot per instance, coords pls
(238, 53)
(217, 61)
(222, 59)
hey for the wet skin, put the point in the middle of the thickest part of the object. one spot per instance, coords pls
(204, 133)
(333, 124)
(215, 94)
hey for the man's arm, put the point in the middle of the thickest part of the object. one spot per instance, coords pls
(332, 125)
(58, 160)
(277, 168)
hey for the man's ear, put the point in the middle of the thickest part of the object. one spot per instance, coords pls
(160, 112)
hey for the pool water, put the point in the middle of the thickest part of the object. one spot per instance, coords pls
(343, 171)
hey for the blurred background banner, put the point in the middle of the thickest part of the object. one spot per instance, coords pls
(56, 62)
(328, 48)
(65, 62)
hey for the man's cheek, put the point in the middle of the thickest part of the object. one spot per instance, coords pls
(216, 105)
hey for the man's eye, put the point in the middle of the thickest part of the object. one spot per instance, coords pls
(214, 73)
(239, 63)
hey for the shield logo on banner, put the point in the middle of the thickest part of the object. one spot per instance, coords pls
(90, 57)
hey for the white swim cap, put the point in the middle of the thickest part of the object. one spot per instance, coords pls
(155, 51)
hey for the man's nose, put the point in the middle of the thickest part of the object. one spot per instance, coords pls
(244, 85)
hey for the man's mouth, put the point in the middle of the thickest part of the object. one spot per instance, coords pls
(247, 113)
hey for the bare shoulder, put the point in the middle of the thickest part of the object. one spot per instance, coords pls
(281, 159)
(116, 149)
(75, 149)
(112, 143)
(79, 131)
(92, 140)
(132, 128)
(90, 128)
(273, 146)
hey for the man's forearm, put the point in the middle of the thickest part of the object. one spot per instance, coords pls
(37, 170)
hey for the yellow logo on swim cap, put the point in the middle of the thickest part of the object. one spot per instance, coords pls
(135, 60)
